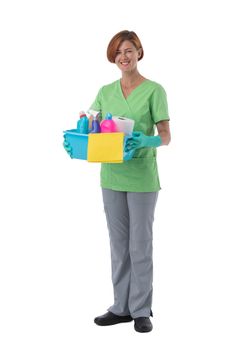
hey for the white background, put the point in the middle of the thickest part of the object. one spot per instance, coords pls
(54, 249)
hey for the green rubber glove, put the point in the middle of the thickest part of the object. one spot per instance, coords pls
(139, 140)
(68, 148)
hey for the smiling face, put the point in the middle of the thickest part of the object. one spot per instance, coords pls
(127, 56)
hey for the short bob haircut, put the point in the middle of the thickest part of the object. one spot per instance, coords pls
(118, 39)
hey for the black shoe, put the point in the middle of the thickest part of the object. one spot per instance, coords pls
(142, 324)
(110, 319)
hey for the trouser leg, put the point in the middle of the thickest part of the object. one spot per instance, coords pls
(141, 212)
(116, 210)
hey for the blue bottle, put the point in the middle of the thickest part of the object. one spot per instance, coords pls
(82, 126)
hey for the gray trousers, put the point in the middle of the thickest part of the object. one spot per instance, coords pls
(130, 217)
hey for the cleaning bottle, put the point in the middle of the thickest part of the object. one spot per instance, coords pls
(82, 126)
(108, 125)
(95, 125)
(90, 120)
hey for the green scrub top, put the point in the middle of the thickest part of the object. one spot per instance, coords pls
(146, 105)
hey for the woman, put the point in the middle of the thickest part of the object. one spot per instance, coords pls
(130, 189)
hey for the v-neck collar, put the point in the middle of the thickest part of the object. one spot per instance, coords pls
(126, 98)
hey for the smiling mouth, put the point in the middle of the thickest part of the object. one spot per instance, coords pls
(124, 63)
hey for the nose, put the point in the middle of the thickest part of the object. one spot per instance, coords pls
(124, 55)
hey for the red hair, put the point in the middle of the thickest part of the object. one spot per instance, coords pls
(118, 39)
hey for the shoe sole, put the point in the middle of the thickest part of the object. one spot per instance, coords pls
(142, 330)
(112, 323)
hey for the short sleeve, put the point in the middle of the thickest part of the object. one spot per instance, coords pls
(158, 105)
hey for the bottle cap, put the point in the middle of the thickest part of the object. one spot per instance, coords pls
(108, 116)
(82, 114)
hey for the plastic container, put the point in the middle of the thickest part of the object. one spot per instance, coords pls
(78, 143)
(108, 125)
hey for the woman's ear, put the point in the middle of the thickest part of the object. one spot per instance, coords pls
(139, 53)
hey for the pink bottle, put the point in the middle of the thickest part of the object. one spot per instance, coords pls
(108, 125)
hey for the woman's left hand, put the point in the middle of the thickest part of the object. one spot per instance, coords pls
(139, 140)
(136, 141)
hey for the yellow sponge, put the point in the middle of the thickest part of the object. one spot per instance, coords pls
(105, 147)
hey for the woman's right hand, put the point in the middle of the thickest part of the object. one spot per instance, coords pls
(67, 147)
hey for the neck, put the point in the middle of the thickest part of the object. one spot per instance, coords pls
(130, 78)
